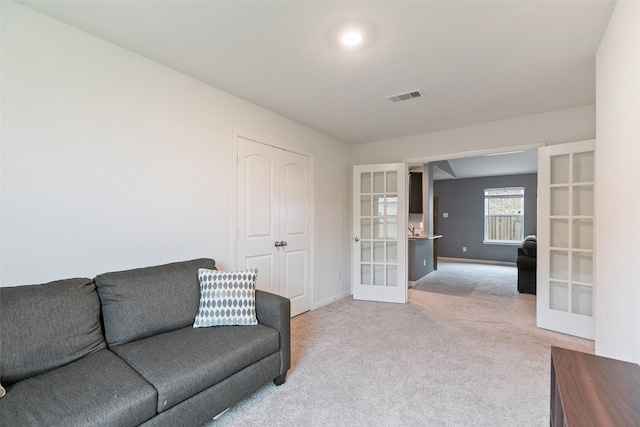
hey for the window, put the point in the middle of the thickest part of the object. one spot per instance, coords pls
(503, 215)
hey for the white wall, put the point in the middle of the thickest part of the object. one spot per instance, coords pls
(617, 175)
(555, 127)
(112, 161)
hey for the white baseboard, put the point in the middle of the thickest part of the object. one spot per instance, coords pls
(477, 261)
(330, 300)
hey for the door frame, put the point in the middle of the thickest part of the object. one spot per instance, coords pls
(474, 153)
(234, 200)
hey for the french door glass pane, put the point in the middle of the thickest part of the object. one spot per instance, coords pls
(560, 169)
(583, 200)
(365, 252)
(392, 205)
(365, 228)
(558, 296)
(559, 265)
(378, 277)
(378, 251)
(392, 252)
(583, 234)
(392, 228)
(560, 201)
(392, 275)
(365, 274)
(582, 300)
(365, 183)
(559, 233)
(378, 228)
(583, 167)
(392, 182)
(365, 206)
(378, 182)
(583, 267)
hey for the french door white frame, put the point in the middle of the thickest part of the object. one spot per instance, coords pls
(566, 287)
(379, 255)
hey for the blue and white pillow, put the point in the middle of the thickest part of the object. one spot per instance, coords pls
(226, 298)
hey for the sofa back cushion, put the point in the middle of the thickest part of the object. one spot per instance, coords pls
(46, 326)
(147, 301)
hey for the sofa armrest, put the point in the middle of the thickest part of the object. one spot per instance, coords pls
(526, 263)
(275, 311)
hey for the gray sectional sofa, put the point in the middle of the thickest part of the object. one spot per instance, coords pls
(121, 350)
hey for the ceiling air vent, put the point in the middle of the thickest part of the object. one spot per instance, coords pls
(404, 96)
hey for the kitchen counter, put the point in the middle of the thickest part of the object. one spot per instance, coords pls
(420, 256)
(426, 237)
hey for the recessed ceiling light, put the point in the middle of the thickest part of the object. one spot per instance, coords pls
(352, 38)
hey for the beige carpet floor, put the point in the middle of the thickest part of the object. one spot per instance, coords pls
(465, 351)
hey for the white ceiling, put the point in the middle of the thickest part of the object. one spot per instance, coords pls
(474, 61)
(494, 165)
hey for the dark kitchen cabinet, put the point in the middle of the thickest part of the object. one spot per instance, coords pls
(415, 192)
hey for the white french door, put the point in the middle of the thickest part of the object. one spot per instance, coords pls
(379, 270)
(566, 250)
(275, 220)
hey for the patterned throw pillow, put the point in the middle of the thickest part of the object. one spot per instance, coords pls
(226, 298)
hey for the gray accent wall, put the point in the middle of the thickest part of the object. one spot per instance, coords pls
(463, 201)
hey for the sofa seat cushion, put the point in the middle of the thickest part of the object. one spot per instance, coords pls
(184, 362)
(97, 390)
(47, 326)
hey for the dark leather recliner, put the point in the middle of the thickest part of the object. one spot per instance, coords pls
(526, 262)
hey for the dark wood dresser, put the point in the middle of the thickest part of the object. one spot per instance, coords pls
(588, 390)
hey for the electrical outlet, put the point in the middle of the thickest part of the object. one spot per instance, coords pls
(425, 263)
(339, 276)
(464, 249)
(445, 215)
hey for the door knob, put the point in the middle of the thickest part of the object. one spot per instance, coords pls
(277, 244)
(280, 243)
(356, 239)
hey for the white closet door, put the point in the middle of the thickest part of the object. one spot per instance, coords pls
(274, 218)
